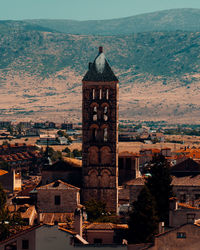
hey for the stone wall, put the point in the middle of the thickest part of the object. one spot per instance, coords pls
(69, 199)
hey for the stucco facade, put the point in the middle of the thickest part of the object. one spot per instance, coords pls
(186, 237)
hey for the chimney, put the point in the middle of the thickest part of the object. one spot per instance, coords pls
(161, 227)
(100, 49)
(78, 221)
(173, 204)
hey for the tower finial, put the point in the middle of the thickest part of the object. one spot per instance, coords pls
(100, 49)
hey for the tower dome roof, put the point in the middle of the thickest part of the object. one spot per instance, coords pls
(100, 70)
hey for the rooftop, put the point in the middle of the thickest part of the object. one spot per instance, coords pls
(58, 185)
(191, 180)
(100, 70)
(106, 226)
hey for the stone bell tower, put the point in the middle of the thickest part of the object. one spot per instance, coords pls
(100, 133)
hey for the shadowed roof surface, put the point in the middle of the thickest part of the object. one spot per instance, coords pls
(100, 70)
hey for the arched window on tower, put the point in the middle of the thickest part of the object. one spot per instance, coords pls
(105, 134)
(107, 94)
(94, 134)
(105, 113)
(100, 94)
(93, 94)
(95, 113)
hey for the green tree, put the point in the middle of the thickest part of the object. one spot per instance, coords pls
(6, 143)
(4, 227)
(95, 210)
(10, 129)
(8, 221)
(53, 154)
(77, 153)
(143, 222)
(5, 165)
(61, 133)
(159, 184)
(2, 198)
(67, 150)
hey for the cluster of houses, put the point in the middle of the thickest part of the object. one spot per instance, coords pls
(9, 130)
(51, 203)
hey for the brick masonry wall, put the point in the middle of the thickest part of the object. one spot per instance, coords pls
(69, 199)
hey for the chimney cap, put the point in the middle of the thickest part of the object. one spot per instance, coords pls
(100, 49)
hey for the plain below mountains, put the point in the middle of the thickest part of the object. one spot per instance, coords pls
(155, 56)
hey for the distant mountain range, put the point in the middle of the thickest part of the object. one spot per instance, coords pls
(155, 56)
(167, 20)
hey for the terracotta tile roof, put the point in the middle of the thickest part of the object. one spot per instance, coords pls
(186, 166)
(126, 153)
(20, 233)
(106, 226)
(67, 231)
(140, 181)
(187, 206)
(2, 172)
(58, 185)
(49, 218)
(155, 150)
(192, 180)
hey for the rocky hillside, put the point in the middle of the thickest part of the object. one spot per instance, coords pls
(41, 72)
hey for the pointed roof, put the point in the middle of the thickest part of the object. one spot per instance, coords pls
(100, 70)
(186, 167)
(58, 184)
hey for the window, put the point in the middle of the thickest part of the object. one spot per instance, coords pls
(181, 235)
(94, 134)
(190, 218)
(57, 200)
(197, 196)
(93, 94)
(100, 94)
(95, 113)
(107, 94)
(25, 244)
(183, 198)
(105, 113)
(97, 241)
(105, 134)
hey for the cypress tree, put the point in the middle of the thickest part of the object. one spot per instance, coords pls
(143, 222)
(159, 184)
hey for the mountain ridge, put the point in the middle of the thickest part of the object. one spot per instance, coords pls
(185, 19)
(41, 72)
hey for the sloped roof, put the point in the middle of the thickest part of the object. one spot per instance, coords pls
(106, 226)
(49, 218)
(187, 166)
(2, 172)
(140, 181)
(126, 153)
(61, 165)
(20, 233)
(58, 185)
(192, 180)
(100, 70)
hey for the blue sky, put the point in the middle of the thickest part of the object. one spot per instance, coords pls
(86, 9)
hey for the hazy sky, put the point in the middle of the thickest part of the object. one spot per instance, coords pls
(86, 9)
